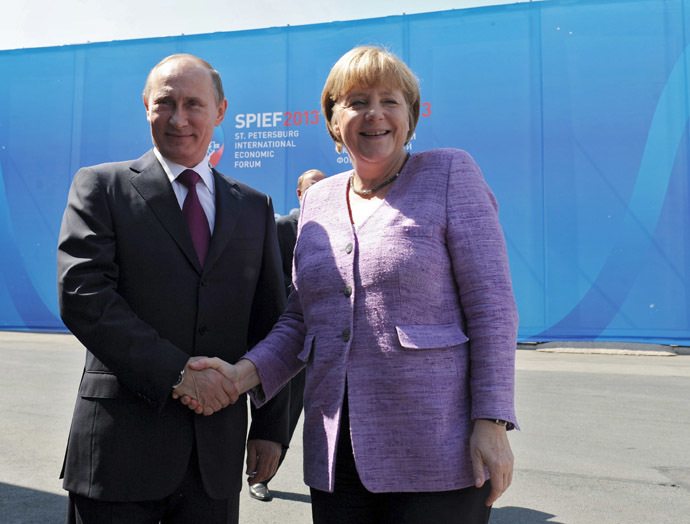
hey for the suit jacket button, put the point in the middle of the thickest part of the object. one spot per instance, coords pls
(345, 335)
(202, 330)
(347, 291)
(349, 248)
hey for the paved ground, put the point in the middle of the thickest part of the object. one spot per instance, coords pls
(604, 439)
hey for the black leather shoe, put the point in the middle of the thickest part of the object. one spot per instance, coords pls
(260, 491)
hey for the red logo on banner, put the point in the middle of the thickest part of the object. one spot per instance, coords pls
(216, 147)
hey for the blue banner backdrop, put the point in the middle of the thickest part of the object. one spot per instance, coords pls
(576, 112)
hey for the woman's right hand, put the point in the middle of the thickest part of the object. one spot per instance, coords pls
(242, 375)
(228, 370)
(204, 389)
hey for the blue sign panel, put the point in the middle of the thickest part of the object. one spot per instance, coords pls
(577, 114)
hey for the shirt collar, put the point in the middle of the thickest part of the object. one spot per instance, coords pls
(173, 170)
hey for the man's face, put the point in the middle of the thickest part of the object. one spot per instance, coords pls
(309, 179)
(183, 111)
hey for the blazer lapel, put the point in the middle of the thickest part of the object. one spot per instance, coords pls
(152, 183)
(228, 209)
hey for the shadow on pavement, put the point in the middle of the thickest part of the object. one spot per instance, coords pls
(287, 495)
(24, 506)
(516, 515)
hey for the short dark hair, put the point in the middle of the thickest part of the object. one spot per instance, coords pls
(215, 75)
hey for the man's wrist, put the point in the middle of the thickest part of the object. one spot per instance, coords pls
(179, 380)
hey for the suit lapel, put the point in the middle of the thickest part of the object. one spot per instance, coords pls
(229, 204)
(152, 184)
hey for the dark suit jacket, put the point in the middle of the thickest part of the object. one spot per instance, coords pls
(133, 292)
(287, 236)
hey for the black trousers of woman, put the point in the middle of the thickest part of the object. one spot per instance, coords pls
(352, 503)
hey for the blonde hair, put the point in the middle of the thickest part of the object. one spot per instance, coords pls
(369, 66)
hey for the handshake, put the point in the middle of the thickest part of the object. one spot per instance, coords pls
(209, 385)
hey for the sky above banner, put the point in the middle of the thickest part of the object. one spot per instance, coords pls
(576, 112)
(42, 23)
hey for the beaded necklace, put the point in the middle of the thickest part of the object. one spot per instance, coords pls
(367, 192)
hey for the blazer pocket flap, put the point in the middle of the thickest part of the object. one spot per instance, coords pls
(305, 354)
(99, 385)
(430, 336)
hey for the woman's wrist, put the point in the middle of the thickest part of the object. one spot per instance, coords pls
(247, 374)
(497, 421)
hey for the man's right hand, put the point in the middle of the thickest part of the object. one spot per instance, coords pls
(205, 391)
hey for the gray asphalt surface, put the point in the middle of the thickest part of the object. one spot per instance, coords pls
(604, 439)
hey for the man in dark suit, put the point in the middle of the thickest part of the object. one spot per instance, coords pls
(287, 236)
(157, 265)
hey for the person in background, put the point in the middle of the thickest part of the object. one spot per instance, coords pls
(161, 259)
(403, 315)
(287, 226)
(287, 236)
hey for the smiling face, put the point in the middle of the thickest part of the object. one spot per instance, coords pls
(183, 110)
(373, 124)
(360, 69)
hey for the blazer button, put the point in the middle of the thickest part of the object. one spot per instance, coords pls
(202, 330)
(349, 248)
(345, 335)
(347, 291)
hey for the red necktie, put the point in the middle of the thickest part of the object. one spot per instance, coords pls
(194, 214)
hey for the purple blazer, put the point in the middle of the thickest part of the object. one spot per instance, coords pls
(415, 310)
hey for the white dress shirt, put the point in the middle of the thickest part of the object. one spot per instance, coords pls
(205, 191)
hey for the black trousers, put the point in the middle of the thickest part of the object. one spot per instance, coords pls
(188, 504)
(295, 411)
(352, 503)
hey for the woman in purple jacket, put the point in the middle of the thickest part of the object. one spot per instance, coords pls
(403, 314)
